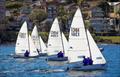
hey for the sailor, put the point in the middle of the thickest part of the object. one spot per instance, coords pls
(90, 61)
(60, 54)
(26, 54)
(85, 61)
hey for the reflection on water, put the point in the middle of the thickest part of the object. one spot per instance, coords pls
(85, 73)
(39, 67)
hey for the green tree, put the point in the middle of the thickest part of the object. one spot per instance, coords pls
(78, 1)
(69, 1)
(13, 5)
(37, 16)
(88, 26)
(63, 17)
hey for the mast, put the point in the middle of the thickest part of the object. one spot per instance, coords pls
(39, 41)
(62, 41)
(28, 38)
(88, 44)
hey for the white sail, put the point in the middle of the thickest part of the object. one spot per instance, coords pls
(32, 50)
(97, 56)
(65, 44)
(43, 46)
(35, 38)
(78, 45)
(54, 41)
(22, 40)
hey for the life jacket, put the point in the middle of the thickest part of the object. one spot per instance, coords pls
(60, 54)
(90, 61)
(26, 54)
(85, 61)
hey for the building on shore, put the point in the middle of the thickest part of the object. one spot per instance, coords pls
(98, 21)
(115, 15)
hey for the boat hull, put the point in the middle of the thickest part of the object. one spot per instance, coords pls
(21, 56)
(55, 58)
(81, 67)
(42, 54)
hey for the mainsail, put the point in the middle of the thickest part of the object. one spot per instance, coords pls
(78, 44)
(54, 41)
(22, 40)
(35, 38)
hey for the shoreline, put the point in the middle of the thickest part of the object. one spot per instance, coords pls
(13, 43)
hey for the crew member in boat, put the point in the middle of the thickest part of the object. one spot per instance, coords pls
(26, 54)
(85, 61)
(90, 61)
(60, 54)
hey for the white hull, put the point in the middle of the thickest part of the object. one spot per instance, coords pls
(81, 67)
(55, 58)
(43, 54)
(21, 56)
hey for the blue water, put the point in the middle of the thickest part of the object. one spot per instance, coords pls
(11, 67)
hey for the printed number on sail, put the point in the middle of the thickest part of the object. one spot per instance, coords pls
(75, 31)
(54, 34)
(22, 35)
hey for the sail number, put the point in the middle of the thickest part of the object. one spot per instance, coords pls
(22, 35)
(75, 32)
(54, 34)
(34, 37)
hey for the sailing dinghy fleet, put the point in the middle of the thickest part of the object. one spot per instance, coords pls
(80, 51)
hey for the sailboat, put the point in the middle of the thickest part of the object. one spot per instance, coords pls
(39, 44)
(24, 43)
(43, 47)
(82, 44)
(55, 43)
